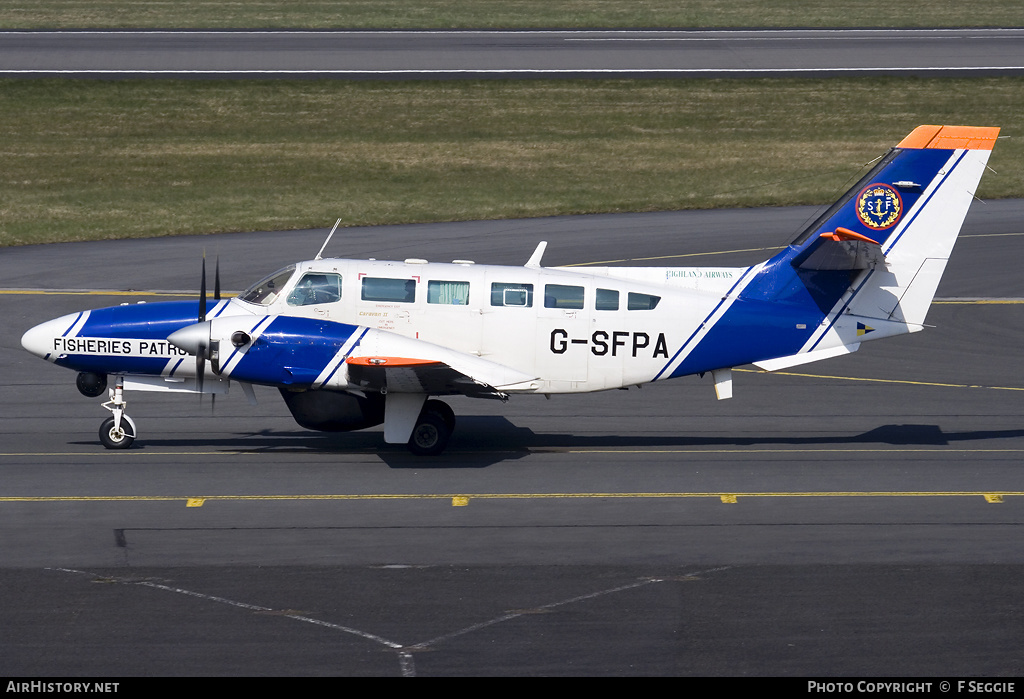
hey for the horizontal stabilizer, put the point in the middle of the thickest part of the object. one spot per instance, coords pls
(805, 357)
(840, 250)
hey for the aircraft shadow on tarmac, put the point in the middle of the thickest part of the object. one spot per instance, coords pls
(481, 441)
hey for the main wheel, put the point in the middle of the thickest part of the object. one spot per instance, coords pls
(430, 436)
(442, 409)
(116, 438)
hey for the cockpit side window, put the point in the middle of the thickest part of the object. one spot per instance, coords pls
(316, 287)
(266, 291)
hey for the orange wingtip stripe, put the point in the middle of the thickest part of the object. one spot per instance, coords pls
(951, 137)
(389, 361)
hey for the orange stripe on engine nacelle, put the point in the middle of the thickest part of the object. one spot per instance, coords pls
(952, 137)
(389, 361)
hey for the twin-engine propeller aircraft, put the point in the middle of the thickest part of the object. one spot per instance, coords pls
(356, 343)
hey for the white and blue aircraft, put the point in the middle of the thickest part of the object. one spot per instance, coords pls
(356, 343)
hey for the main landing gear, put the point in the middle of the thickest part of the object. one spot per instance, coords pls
(117, 431)
(433, 429)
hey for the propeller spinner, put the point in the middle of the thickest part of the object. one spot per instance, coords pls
(196, 339)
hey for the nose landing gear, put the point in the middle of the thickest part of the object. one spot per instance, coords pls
(117, 431)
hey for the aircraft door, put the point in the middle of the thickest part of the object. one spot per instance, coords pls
(563, 342)
(510, 319)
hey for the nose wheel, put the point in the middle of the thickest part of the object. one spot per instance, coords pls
(116, 436)
(118, 430)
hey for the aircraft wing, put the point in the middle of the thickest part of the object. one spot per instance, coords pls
(388, 361)
(407, 375)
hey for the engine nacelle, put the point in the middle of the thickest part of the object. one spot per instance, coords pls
(334, 411)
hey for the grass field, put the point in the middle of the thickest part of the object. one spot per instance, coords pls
(95, 159)
(355, 14)
(108, 159)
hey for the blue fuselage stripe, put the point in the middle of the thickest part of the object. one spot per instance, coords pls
(347, 355)
(77, 318)
(252, 332)
(701, 326)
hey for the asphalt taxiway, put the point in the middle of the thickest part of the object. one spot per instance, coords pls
(856, 516)
(440, 54)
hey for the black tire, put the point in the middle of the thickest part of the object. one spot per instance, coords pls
(116, 439)
(442, 409)
(430, 436)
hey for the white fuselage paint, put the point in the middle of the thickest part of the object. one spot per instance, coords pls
(569, 349)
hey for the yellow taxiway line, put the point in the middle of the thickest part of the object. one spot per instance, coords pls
(873, 380)
(463, 499)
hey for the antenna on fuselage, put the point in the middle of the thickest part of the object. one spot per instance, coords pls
(534, 260)
(336, 224)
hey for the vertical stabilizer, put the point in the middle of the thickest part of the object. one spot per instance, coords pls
(869, 266)
(917, 251)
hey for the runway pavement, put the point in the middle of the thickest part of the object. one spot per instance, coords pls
(856, 517)
(527, 53)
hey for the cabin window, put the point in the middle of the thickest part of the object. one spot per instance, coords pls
(510, 294)
(389, 290)
(642, 302)
(562, 296)
(316, 287)
(265, 291)
(607, 300)
(448, 293)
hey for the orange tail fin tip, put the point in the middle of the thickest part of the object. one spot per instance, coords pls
(952, 137)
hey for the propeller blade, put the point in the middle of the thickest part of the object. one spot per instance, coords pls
(196, 340)
(200, 370)
(203, 344)
(202, 293)
(216, 281)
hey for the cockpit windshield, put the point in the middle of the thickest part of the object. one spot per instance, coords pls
(266, 291)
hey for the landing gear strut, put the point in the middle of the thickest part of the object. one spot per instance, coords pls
(433, 429)
(117, 431)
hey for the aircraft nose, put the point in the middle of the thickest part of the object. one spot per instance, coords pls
(40, 339)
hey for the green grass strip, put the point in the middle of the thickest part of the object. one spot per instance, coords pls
(87, 159)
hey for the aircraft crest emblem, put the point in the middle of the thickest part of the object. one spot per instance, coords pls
(879, 206)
